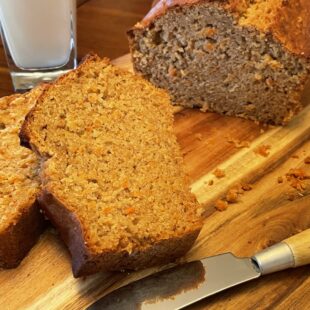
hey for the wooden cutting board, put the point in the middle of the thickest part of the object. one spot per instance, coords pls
(261, 217)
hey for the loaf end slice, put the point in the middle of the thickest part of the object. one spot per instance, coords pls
(21, 222)
(112, 172)
(249, 59)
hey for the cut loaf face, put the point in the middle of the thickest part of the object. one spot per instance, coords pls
(112, 172)
(241, 58)
(20, 219)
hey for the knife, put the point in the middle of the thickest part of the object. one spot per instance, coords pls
(185, 284)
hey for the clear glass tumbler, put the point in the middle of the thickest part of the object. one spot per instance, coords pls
(39, 38)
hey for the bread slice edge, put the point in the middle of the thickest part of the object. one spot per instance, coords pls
(86, 263)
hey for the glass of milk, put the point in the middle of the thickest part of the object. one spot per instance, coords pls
(39, 38)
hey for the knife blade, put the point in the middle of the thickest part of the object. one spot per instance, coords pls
(183, 285)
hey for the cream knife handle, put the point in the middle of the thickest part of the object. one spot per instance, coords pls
(300, 247)
(291, 252)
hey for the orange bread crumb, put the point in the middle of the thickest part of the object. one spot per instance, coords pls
(219, 173)
(246, 187)
(221, 205)
(238, 143)
(297, 173)
(263, 150)
(232, 196)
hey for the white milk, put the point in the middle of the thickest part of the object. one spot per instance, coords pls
(38, 32)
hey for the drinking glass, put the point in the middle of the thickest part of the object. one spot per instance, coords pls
(39, 38)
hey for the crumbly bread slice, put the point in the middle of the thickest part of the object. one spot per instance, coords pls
(113, 181)
(20, 219)
(235, 57)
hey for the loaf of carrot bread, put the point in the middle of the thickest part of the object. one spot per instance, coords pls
(112, 175)
(20, 219)
(236, 57)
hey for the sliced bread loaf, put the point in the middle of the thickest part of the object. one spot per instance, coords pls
(20, 219)
(243, 58)
(113, 181)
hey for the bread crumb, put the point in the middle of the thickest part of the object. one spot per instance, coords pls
(307, 160)
(263, 150)
(297, 173)
(280, 179)
(238, 143)
(298, 184)
(198, 136)
(221, 205)
(238, 188)
(232, 196)
(247, 187)
(296, 178)
(219, 173)
(210, 182)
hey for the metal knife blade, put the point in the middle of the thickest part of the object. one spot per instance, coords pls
(181, 286)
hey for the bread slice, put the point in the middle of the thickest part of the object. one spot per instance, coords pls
(243, 58)
(20, 219)
(113, 181)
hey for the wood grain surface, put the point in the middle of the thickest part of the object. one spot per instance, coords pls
(272, 211)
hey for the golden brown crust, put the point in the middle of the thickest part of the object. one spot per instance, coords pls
(289, 24)
(17, 240)
(24, 132)
(160, 7)
(292, 26)
(85, 263)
